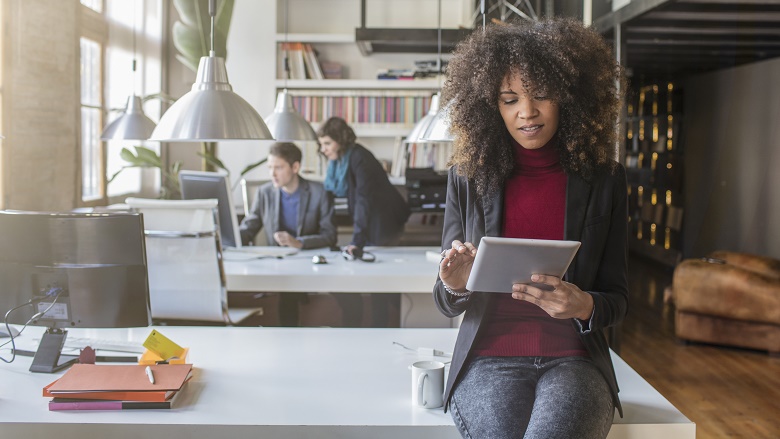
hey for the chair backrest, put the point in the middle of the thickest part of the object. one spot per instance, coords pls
(248, 190)
(184, 259)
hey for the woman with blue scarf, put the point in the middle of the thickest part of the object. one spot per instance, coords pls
(378, 210)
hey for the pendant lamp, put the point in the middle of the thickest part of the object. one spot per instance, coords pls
(211, 111)
(415, 136)
(285, 123)
(132, 124)
(434, 127)
(439, 128)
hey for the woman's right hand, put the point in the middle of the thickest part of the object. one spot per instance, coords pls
(456, 264)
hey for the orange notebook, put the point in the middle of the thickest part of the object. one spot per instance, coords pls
(120, 382)
(144, 396)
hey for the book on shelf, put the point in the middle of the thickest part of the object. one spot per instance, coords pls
(405, 74)
(399, 158)
(289, 62)
(301, 62)
(332, 70)
(404, 107)
(313, 69)
(429, 155)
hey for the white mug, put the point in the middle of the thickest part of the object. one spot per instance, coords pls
(427, 384)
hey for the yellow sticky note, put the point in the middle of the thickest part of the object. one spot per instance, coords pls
(162, 345)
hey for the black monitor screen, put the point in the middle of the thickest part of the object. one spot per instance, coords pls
(64, 270)
(196, 185)
(82, 270)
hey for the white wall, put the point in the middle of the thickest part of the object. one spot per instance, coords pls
(732, 159)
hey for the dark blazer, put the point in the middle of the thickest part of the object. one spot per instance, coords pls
(378, 210)
(596, 215)
(315, 215)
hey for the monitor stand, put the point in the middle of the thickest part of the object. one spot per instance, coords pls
(48, 358)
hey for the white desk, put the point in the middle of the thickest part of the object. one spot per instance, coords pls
(290, 383)
(396, 270)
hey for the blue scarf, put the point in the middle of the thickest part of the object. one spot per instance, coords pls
(336, 175)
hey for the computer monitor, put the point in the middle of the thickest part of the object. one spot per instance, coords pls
(196, 185)
(69, 270)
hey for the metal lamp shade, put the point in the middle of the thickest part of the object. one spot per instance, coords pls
(439, 128)
(132, 124)
(415, 136)
(286, 124)
(211, 112)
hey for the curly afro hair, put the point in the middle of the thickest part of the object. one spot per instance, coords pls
(558, 58)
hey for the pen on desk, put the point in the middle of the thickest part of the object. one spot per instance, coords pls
(150, 374)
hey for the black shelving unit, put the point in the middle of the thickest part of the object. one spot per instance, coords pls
(654, 166)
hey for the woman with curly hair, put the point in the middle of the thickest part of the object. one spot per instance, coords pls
(534, 109)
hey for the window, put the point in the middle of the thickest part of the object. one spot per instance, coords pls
(135, 31)
(91, 119)
(95, 5)
(108, 47)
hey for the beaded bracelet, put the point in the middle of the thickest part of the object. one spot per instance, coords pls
(455, 293)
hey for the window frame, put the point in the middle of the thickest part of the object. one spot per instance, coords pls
(93, 26)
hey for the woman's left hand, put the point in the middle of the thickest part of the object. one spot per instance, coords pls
(565, 301)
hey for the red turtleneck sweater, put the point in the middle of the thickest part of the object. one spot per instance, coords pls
(534, 207)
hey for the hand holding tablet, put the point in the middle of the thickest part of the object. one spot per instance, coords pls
(501, 262)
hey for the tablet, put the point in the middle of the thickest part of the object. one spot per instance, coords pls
(501, 262)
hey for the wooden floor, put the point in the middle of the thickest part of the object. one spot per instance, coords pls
(727, 392)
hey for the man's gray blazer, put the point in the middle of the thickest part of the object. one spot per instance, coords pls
(315, 215)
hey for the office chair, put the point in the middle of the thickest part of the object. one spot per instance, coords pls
(184, 259)
(248, 190)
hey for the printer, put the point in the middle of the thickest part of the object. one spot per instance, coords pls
(426, 190)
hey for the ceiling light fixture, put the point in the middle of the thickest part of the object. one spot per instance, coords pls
(434, 127)
(211, 111)
(285, 123)
(132, 124)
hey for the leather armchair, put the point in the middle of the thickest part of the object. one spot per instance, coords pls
(730, 299)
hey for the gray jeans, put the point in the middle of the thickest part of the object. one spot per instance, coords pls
(532, 397)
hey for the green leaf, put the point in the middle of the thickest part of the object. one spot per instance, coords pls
(187, 41)
(192, 33)
(148, 156)
(119, 172)
(126, 155)
(210, 158)
(253, 166)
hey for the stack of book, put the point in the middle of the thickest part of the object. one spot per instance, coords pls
(118, 387)
(302, 62)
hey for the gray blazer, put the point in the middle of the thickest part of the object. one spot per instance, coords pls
(315, 215)
(596, 215)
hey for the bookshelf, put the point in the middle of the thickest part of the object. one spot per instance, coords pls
(654, 167)
(329, 28)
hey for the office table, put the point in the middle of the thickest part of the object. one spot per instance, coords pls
(289, 383)
(396, 270)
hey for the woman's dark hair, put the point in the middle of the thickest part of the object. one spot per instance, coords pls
(558, 58)
(337, 129)
(287, 151)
